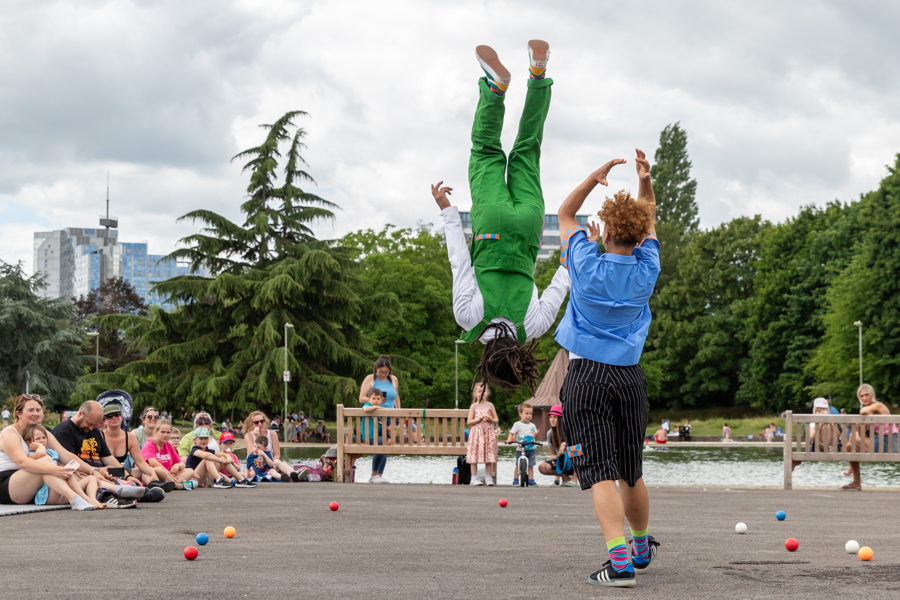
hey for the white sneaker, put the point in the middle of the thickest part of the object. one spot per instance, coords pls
(371, 479)
(379, 479)
(488, 480)
(476, 481)
(492, 66)
(538, 53)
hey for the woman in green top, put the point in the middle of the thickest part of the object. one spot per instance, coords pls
(187, 442)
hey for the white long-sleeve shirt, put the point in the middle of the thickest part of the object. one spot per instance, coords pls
(468, 304)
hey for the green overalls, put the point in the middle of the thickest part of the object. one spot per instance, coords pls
(507, 210)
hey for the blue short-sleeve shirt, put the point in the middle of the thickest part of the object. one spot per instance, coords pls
(607, 318)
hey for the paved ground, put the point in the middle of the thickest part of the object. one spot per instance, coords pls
(421, 541)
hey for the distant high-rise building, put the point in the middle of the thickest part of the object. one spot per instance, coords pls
(76, 261)
(550, 241)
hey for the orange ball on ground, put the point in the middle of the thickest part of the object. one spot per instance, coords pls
(865, 553)
(230, 532)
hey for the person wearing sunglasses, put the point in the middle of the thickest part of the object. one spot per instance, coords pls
(257, 425)
(149, 421)
(201, 419)
(126, 449)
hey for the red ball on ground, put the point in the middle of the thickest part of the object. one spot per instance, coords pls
(334, 506)
(791, 544)
(503, 503)
(191, 553)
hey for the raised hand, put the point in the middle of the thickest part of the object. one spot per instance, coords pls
(600, 174)
(593, 232)
(440, 195)
(643, 167)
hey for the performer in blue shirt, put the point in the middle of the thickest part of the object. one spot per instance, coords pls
(604, 395)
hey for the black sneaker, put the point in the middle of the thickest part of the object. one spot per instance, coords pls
(244, 483)
(652, 545)
(286, 478)
(609, 577)
(222, 484)
(153, 495)
(166, 486)
(112, 501)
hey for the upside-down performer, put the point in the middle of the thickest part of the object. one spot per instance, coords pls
(494, 296)
(604, 395)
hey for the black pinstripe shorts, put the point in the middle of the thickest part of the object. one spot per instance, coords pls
(605, 412)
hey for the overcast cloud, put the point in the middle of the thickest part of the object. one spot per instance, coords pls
(785, 104)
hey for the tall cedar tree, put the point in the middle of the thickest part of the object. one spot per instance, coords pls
(223, 350)
(37, 340)
(676, 206)
(114, 297)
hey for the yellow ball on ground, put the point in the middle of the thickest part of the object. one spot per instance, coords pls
(230, 531)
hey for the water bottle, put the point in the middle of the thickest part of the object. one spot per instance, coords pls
(455, 476)
(353, 474)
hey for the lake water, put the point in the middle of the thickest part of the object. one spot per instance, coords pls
(666, 466)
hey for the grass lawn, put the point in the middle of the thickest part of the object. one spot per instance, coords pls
(740, 428)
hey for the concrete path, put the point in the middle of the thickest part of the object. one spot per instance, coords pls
(421, 542)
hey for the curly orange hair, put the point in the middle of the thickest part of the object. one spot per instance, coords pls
(627, 220)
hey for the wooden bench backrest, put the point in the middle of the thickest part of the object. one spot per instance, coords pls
(797, 445)
(437, 432)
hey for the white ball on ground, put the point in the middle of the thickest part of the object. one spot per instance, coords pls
(740, 528)
(852, 547)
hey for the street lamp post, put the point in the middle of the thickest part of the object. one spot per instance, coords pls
(96, 334)
(287, 378)
(456, 351)
(859, 325)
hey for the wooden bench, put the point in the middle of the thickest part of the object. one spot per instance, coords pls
(797, 447)
(437, 432)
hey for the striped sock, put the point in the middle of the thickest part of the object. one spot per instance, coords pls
(640, 551)
(536, 72)
(618, 555)
(496, 87)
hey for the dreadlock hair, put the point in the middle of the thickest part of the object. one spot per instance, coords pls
(505, 363)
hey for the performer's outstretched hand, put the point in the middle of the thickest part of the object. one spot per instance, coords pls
(643, 167)
(440, 195)
(600, 174)
(593, 232)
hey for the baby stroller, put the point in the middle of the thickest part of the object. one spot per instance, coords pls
(123, 401)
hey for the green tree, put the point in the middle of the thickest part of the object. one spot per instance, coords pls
(698, 349)
(420, 338)
(799, 260)
(224, 349)
(676, 205)
(277, 218)
(673, 186)
(36, 339)
(113, 297)
(867, 290)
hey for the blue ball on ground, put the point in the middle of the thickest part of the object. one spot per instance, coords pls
(202, 539)
(781, 515)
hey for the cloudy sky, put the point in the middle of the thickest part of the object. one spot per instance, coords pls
(785, 103)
